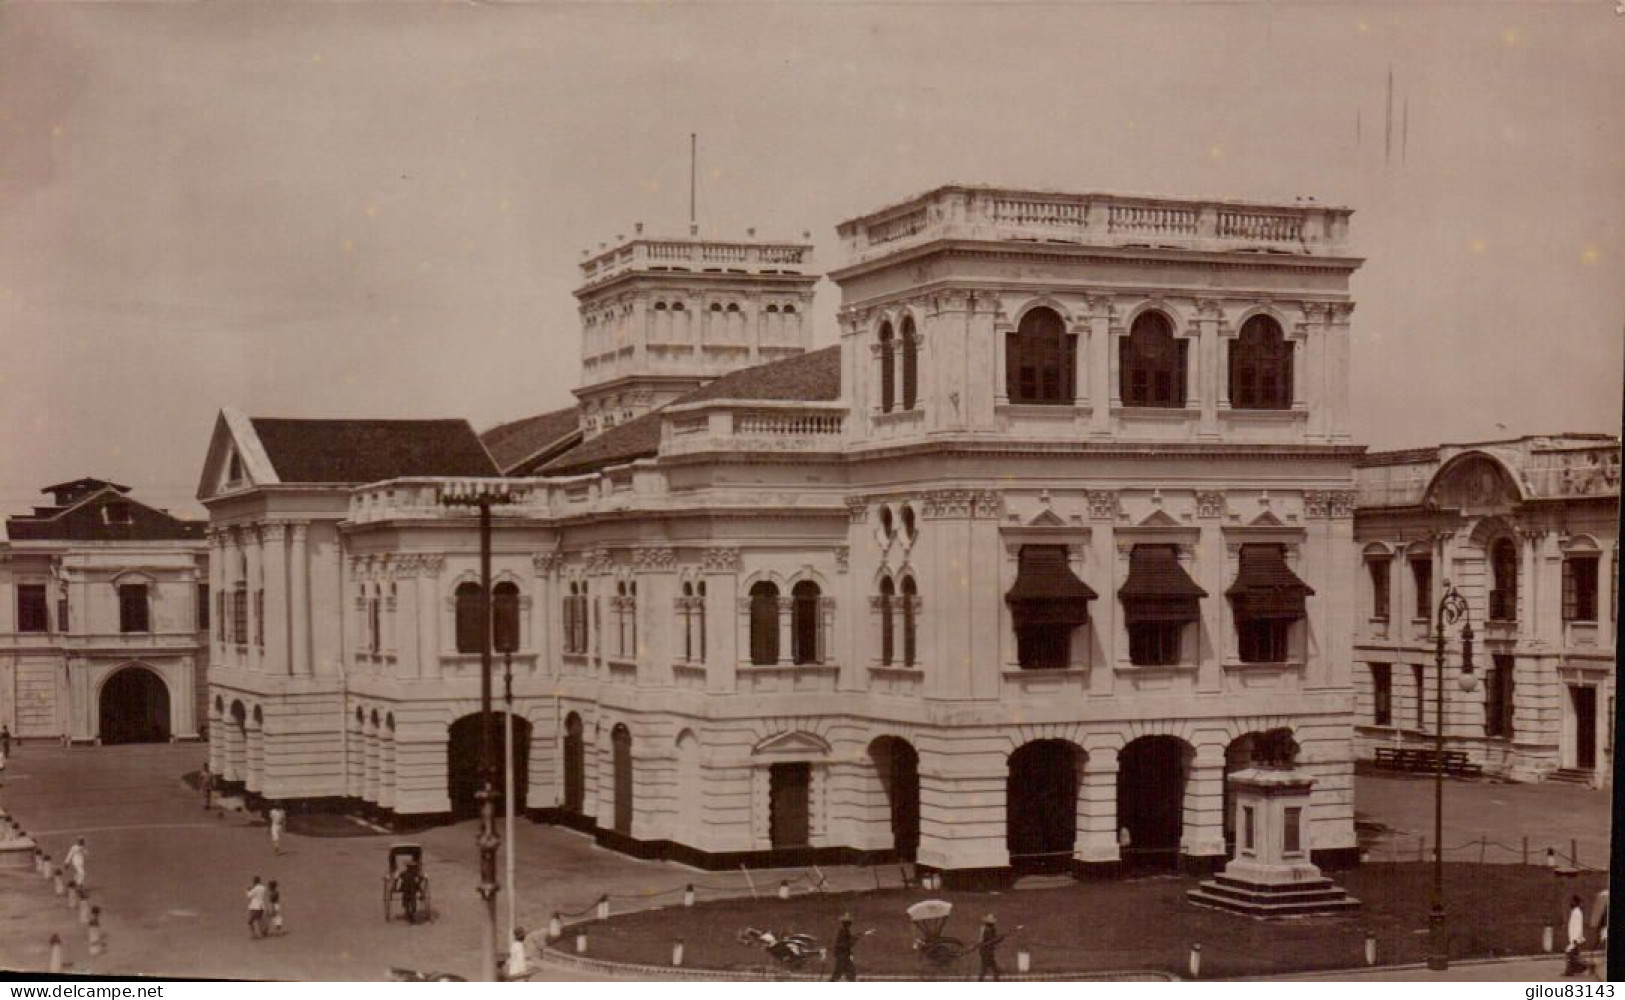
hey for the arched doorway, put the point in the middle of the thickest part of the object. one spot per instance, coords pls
(134, 707)
(575, 765)
(898, 766)
(620, 739)
(1151, 774)
(463, 762)
(1041, 806)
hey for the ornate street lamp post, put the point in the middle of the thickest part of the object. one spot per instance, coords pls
(1452, 608)
(484, 494)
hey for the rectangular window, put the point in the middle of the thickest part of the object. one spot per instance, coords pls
(62, 614)
(239, 615)
(1292, 835)
(1422, 577)
(1248, 829)
(220, 614)
(1419, 677)
(259, 618)
(1498, 698)
(202, 607)
(1155, 643)
(1382, 695)
(32, 615)
(1265, 640)
(1580, 589)
(1378, 569)
(132, 608)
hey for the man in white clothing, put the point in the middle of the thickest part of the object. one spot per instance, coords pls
(256, 908)
(1577, 938)
(76, 860)
(518, 961)
(278, 820)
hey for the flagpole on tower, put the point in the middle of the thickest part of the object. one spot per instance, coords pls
(693, 157)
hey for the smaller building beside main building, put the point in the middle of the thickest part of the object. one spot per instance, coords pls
(104, 617)
(1527, 531)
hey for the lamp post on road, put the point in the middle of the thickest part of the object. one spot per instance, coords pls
(484, 494)
(1452, 608)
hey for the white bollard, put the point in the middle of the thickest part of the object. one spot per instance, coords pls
(603, 908)
(84, 910)
(74, 895)
(677, 952)
(581, 942)
(93, 931)
(1196, 961)
(1024, 960)
(688, 896)
(57, 885)
(56, 953)
(555, 927)
(1371, 949)
(1546, 938)
(784, 889)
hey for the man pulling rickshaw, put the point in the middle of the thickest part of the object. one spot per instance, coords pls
(407, 881)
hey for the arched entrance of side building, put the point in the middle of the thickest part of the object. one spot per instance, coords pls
(575, 765)
(1041, 805)
(134, 707)
(898, 766)
(463, 762)
(1151, 776)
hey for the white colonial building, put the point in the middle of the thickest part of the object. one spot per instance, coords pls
(103, 602)
(1008, 579)
(1528, 531)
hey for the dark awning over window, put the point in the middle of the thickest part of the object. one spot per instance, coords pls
(1266, 587)
(1047, 592)
(1158, 589)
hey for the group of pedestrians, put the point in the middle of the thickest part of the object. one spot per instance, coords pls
(987, 950)
(265, 909)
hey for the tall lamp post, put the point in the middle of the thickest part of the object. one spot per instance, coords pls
(484, 494)
(1452, 608)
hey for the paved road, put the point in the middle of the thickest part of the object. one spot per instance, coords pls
(171, 877)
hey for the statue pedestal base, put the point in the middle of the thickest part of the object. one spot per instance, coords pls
(1271, 874)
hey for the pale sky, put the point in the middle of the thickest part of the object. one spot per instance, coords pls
(376, 210)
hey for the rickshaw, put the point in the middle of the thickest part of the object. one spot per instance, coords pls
(935, 947)
(406, 880)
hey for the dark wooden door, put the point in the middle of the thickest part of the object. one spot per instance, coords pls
(1585, 727)
(621, 740)
(790, 787)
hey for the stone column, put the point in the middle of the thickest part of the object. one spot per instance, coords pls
(786, 632)
(274, 566)
(1099, 346)
(428, 617)
(655, 618)
(1337, 370)
(1097, 807)
(1212, 377)
(722, 619)
(545, 606)
(1107, 576)
(1314, 353)
(1216, 566)
(404, 607)
(217, 586)
(299, 602)
(254, 542)
(1203, 835)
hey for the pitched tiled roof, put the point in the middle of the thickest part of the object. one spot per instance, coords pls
(512, 443)
(813, 377)
(637, 438)
(106, 516)
(366, 451)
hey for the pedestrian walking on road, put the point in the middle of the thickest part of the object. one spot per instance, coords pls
(987, 950)
(5, 741)
(1577, 938)
(845, 968)
(76, 861)
(518, 961)
(2, 767)
(257, 900)
(411, 884)
(278, 820)
(207, 780)
(273, 899)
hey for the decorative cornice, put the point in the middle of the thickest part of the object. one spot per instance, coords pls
(655, 558)
(720, 560)
(599, 561)
(1328, 503)
(547, 562)
(1103, 504)
(947, 503)
(989, 503)
(1209, 503)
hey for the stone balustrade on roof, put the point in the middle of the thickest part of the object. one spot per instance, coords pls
(694, 255)
(1098, 219)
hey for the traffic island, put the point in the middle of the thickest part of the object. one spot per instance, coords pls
(1135, 928)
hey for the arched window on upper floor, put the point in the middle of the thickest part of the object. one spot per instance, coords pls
(1504, 580)
(764, 623)
(470, 618)
(910, 601)
(1261, 367)
(806, 623)
(888, 397)
(505, 616)
(888, 597)
(1152, 363)
(909, 344)
(1041, 360)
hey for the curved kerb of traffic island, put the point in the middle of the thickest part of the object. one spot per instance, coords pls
(564, 961)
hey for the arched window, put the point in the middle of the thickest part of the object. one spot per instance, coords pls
(685, 606)
(374, 631)
(1504, 576)
(886, 526)
(790, 310)
(505, 616)
(908, 522)
(771, 308)
(660, 307)
(888, 597)
(733, 307)
(910, 600)
(1041, 360)
(1261, 367)
(1152, 363)
(716, 307)
(910, 345)
(806, 631)
(699, 615)
(677, 307)
(470, 618)
(764, 623)
(887, 365)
